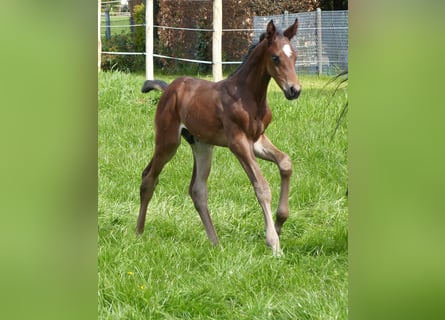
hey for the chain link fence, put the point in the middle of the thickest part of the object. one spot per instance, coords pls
(321, 41)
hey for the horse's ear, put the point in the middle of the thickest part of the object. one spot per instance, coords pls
(292, 30)
(270, 31)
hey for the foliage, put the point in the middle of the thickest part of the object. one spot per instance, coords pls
(139, 32)
(172, 271)
(122, 42)
(271, 7)
(132, 4)
(202, 50)
(126, 41)
(333, 4)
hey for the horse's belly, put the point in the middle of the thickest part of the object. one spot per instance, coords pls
(199, 112)
(204, 125)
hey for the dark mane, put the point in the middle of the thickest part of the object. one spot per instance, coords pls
(249, 52)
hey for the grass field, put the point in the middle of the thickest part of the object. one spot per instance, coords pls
(172, 271)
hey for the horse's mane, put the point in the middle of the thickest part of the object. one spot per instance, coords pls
(248, 54)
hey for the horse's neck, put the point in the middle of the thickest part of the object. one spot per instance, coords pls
(253, 76)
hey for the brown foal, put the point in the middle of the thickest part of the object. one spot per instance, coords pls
(231, 113)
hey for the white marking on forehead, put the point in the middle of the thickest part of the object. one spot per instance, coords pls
(287, 50)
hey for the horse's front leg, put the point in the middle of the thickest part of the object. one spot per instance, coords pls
(243, 149)
(265, 149)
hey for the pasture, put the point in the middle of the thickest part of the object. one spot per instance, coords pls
(172, 271)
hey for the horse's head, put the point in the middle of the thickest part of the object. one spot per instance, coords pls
(280, 59)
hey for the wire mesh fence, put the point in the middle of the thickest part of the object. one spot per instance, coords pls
(321, 41)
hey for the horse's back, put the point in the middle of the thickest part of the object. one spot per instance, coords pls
(194, 93)
(192, 86)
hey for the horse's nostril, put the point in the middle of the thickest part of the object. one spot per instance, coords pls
(294, 92)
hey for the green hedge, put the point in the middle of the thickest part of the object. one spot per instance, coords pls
(123, 42)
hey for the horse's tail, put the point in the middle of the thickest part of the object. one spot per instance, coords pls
(154, 85)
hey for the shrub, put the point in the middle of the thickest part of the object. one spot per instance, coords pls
(122, 42)
(139, 31)
(127, 42)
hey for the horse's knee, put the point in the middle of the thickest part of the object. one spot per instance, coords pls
(198, 193)
(285, 166)
(148, 185)
(193, 192)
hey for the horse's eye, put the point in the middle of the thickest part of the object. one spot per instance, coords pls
(275, 59)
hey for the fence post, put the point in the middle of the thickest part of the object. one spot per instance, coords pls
(99, 42)
(107, 23)
(217, 40)
(149, 72)
(319, 44)
(286, 19)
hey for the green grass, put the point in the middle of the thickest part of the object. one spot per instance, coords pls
(172, 271)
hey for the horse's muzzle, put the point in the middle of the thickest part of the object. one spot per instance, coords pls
(292, 93)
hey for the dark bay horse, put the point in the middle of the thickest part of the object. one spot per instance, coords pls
(231, 113)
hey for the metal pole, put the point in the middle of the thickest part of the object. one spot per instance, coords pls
(319, 44)
(149, 40)
(107, 23)
(217, 40)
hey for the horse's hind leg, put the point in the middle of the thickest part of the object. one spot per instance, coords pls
(202, 154)
(166, 146)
